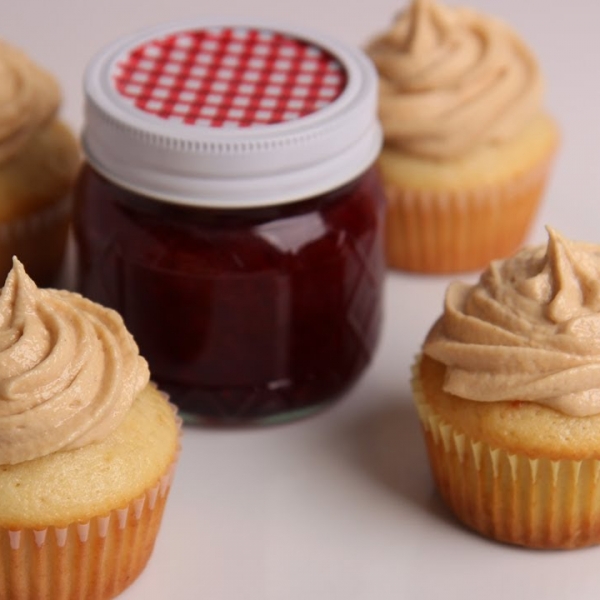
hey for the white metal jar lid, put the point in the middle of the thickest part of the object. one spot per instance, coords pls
(218, 113)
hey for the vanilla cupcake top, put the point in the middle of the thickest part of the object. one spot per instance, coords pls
(69, 370)
(452, 79)
(528, 330)
(29, 97)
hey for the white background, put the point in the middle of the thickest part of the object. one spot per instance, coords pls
(341, 506)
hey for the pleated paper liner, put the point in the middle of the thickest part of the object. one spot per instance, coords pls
(38, 240)
(94, 560)
(435, 232)
(512, 498)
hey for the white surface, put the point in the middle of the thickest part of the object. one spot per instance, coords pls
(342, 505)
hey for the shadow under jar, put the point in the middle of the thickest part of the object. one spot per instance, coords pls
(251, 279)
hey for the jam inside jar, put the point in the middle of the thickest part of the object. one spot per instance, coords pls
(248, 315)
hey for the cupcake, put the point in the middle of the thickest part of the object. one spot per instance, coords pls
(39, 159)
(468, 147)
(87, 447)
(508, 393)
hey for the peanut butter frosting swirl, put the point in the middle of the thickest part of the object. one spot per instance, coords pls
(452, 79)
(29, 97)
(528, 330)
(69, 370)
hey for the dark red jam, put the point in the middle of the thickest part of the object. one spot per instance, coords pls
(244, 315)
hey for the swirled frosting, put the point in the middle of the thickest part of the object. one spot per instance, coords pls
(29, 97)
(528, 330)
(451, 79)
(69, 370)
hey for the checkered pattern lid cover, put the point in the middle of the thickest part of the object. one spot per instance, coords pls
(215, 113)
(229, 77)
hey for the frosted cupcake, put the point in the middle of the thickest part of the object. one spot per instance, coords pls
(468, 145)
(508, 393)
(39, 159)
(87, 447)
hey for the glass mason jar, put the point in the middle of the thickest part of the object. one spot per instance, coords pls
(229, 210)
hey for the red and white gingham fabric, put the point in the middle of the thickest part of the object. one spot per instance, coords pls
(229, 77)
